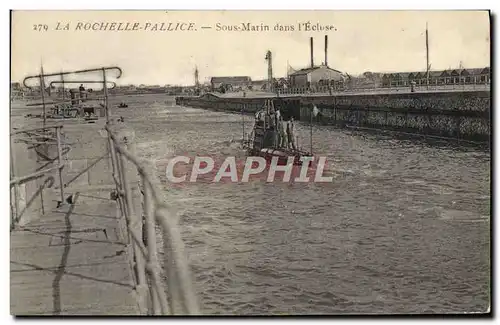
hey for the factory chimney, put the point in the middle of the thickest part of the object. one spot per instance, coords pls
(312, 54)
(326, 50)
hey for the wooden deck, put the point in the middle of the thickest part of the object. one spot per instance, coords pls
(72, 261)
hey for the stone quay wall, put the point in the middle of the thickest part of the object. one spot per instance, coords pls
(452, 114)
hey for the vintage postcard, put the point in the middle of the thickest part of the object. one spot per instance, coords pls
(250, 162)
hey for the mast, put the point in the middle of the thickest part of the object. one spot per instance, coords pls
(62, 80)
(243, 123)
(427, 53)
(311, 130)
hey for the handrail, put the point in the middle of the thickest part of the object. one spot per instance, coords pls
(178, 296)
(182, 299)
(68, 101)
(23, 179)
(35, 129)
(71, 72)
(64, 101)
(386, 88)
(83, 82)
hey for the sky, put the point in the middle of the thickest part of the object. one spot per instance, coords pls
(359, 41)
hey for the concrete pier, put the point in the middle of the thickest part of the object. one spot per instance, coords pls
(72, 261)
(72, 257)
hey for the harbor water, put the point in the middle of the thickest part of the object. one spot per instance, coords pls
(404, 227)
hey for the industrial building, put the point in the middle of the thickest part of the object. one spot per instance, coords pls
(321, 75)
(443, 77)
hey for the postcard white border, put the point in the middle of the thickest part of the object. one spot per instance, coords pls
(187, 4)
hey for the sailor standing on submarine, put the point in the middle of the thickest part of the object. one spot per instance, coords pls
(290, 133)
(315, 112)
(277, 123)
(283, 136)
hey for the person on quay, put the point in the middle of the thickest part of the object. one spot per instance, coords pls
(73, 97)
(82, 92)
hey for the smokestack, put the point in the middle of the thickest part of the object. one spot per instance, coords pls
(312, 54)
(326, 50)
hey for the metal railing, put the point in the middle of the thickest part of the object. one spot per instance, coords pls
(176, 296)
(42, 76)
(16, 181)
(346, 89)
(181, 298)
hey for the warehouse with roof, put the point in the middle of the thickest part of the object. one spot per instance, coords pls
(443, 77)
(320, 75)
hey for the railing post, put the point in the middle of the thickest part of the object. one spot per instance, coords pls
(179, 286)
(105, 93)
(156, 293)
(121, 177)
(59, 161)
(182, 299)
(63, 91)
(116, 173)
(171, 275)
(16, 186)
(26, 189)
(135, 226)
(42, 89)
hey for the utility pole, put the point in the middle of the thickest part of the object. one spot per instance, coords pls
(269, 59)
(196, 79)
(427, 53)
